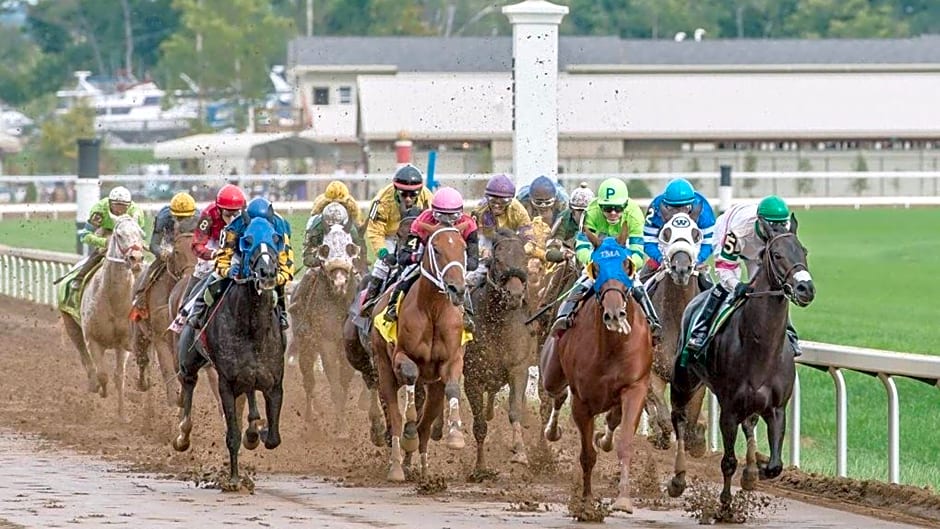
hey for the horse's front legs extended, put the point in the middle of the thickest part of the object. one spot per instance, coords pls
(656, 407)
(388, 392)
(749, 476)
(518, 380)
(450, 374)
(681, 391)
(585, 421)
(776, 420)
(631, 405)
(233, 436)
(271, 433)
(729, 463)
(251, 431)
(433, 404)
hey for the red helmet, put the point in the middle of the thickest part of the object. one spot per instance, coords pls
(230, 197)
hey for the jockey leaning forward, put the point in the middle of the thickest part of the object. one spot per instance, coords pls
(543, 198)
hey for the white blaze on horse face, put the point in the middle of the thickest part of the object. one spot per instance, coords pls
(802, 275)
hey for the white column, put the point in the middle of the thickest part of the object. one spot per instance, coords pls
(535, 88)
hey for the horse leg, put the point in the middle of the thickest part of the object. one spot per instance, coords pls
(120, 363)
(552, 430)
(307, 360)
(550, 372)
(605, 440)
(251, 432)
(97, 373)
(388, 391)
(517, 383)
(163, 348)
(339, 376)
(74, 331)
(433, 404)
(141, 340)
(212, 376)
(585, 421)
(631, 403)
(273, 399)
(233, 435)
(187, 379)
(377, 419)
(661, 436)
(450, 374)
(475, 396)
(681, 390)
(749, 476)
(776, 420)
(407, 372)
(695, 433)
(729, 463)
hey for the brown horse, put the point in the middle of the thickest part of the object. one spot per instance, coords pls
(503, 348)
(318, 311)
(671, 288)
(603, 361)
(428, 350)
(105, 305)
(748, 365)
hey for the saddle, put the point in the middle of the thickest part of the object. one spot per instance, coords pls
(727, 308)
(69, 300)
(389, 329)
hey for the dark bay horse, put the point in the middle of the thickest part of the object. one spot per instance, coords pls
(244, 340)
(318, 310)
(748, 365)
(503, 347)
(428, 350)
(671, 288)
(603, 362)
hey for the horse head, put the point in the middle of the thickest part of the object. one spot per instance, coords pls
(338, 254)
(612, 268)
(260, 245)
(680, 240)
(783, 260)
(445, 262)
(126, 244)
(507, 272)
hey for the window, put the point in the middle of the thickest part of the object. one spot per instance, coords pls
(321, 96)
(345, 95)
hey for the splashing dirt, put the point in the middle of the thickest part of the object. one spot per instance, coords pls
(702, 504)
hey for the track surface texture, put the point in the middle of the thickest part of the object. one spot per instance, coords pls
(69, 461)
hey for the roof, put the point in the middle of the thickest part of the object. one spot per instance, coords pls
(238, 146)
(494, 54)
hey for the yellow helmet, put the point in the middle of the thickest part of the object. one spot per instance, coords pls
(336, 190)
(183, 205)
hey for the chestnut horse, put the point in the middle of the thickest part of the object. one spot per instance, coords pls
(428, 349)
(603, 361)
(748, 364)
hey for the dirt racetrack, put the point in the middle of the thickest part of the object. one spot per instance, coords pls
(43, 395)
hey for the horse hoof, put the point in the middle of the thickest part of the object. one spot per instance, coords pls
(377, 436)
(552, 434)
(143, 384)
(519, 458)
(396, 473)
(749, 478)
(180, 444)
(271, 440)
(437, 431)
(623, 504)
(725, 499)
(409, 444)
(767, 472)
(660, 441)
(676, 486)
(601, 444)
(252, 439)
(455, 440)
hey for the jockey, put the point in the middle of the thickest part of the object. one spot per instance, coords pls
(741, 239)
(228, 262)
(607, 215)
(182, 206)
(499, 209)
(446, 209)
(317, 227)
(99, 225)
(571, 220)
(406, 191)
(543, 198)
(337, 191)
(678, 197)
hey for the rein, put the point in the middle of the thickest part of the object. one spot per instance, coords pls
(114, 242)
(436, 274)
(778, 285)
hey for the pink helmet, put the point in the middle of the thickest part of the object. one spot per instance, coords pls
(447, 200)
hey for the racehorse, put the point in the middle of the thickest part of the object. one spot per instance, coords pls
(243, 339)
(747, 365)
(503, 348)
(150, 329)
(603, 361)
(105, 306)
(428, 349)
(318, 312)
(671, 288)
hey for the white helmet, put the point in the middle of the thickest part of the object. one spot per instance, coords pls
(580, 198)
(120, 195)
(335, 213)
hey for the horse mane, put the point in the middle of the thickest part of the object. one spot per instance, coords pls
(504, 233)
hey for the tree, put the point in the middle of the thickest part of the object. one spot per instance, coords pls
(226, 45)
(57, 151)
(844, 19)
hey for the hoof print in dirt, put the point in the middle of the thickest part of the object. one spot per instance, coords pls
(481, 475)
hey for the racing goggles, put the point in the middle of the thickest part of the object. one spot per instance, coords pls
(543, 203)
(612, 208)
(448, 219)
(405, 193)
(498, 201)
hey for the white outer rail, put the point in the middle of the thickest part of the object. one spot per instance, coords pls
(29, 274)
(834, 359)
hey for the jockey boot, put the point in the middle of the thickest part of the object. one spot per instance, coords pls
(139, 301)
(468, 324)
(375, 284)
(282, 308)
(793, 339)
(656, 330)
(566, 310)
(86, 265)
(701, 325)
(201, 308)
(391, 313)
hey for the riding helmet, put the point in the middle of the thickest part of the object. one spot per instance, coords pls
(447, 200)
(612, 192)
(230, 197)
(773, 209)
(408, 178)
(182, 205)
(500, 186)
(679, 192)
(119, 195)
(260, 207)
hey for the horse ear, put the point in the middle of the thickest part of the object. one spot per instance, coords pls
(323, 251)
(352, 250)
(793, 223)
(628, 266)
(624, 233)
(591, 236)
(595, 270)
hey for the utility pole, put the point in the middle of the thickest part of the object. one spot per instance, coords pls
(309, 18)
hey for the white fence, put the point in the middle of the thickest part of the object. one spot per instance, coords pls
(29, 275)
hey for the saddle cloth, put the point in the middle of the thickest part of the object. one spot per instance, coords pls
(389, 329)
(725, 311)
(70, 301)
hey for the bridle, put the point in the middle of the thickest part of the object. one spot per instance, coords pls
(779, 282)
(436, 274)
(499, 283)
(122, 251)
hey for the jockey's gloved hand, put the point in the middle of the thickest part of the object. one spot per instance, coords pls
(389, 258)
(741, 290)
(233, 273)
(382, 253)
(652, 264)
